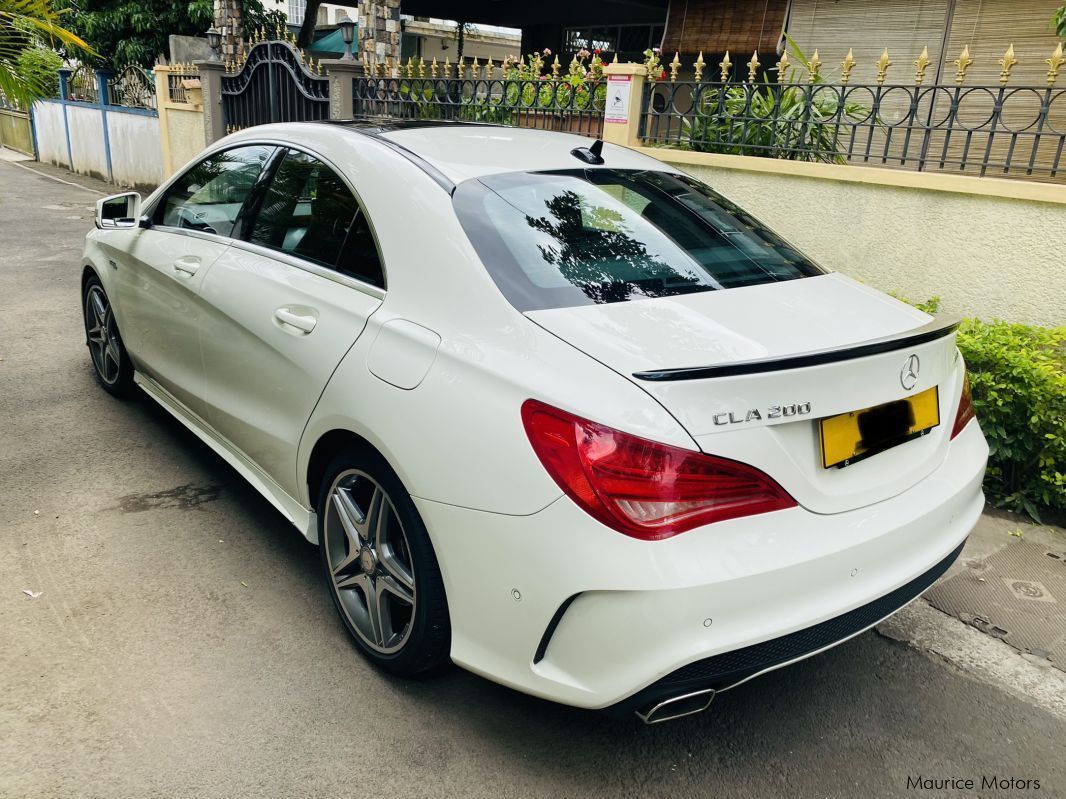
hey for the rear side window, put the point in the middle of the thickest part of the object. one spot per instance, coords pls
(309, 212)
(580, 237)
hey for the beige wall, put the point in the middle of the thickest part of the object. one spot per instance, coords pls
(186, 134)
(989, 248)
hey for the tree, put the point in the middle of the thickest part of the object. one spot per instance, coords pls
(24, 26)
(137, 31)
(307, 27)
(1058, 21)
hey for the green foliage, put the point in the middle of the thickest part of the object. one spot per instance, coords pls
(27, 25)
(789, 119)
(39, 67)
(137, 31)
(1018, 379)
(1058, 21)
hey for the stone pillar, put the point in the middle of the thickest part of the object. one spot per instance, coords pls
(229, 21)
(379, 30)
(64, 83)
(211, 86)
(103, 91)
(342, 75)
(623, 127)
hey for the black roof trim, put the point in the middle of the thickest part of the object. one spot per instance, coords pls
(937, 328)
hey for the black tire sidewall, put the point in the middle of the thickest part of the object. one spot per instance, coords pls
(429, 644)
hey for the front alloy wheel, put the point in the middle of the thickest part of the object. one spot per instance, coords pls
(112, 365)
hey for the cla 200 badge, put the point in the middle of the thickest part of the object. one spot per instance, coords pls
(755, 415)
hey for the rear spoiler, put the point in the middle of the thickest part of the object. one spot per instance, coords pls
(938, 327)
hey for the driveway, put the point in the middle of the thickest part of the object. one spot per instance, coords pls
(183, 646)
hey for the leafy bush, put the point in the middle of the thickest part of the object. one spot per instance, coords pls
(1018, 379)
(39, 68)
(788, 118)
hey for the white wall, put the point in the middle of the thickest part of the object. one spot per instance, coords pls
(136, 150)
(136, 156)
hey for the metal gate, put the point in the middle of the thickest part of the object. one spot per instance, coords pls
(272, 85)
(16, 128)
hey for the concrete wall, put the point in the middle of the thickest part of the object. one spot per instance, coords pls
(72, 135)
(989, 248)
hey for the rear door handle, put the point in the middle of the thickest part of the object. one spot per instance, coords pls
(187, 266)
(304, 322)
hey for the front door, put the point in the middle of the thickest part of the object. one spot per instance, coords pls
(284, 306)
(160, 278)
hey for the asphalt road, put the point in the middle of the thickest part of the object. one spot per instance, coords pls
(183, 646)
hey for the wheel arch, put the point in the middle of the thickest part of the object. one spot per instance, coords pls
(328, 445)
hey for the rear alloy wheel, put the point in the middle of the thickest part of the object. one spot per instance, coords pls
(110, 361)
(380, 567)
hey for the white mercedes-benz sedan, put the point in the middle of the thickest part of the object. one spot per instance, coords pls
(552, 409)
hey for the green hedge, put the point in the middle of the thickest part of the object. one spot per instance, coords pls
(1018, 379)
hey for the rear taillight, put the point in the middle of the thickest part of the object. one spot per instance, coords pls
(642, 488)
(965, 414)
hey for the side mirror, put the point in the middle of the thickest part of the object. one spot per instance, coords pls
(118, 211)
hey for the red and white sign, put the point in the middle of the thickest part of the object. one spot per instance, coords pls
(617, 106)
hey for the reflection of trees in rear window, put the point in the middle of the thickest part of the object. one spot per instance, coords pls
(599, 235)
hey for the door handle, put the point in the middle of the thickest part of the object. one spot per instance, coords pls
(187, 266)
(304, 322)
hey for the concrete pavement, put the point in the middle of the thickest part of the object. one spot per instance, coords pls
(183, 645)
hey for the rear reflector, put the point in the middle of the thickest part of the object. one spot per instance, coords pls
(965, 414)
(642, 488)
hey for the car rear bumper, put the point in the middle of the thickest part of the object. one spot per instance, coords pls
(556, 605)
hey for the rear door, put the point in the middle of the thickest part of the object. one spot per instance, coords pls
(283, 306)
(160, 276)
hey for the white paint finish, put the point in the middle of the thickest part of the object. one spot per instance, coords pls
(497, 520)
(741, 324)
(263, 380)
(50, 130)
(135, 149)
(757, 577)
(472, 151)
(402, 353)
(87, 141)
(991, 257)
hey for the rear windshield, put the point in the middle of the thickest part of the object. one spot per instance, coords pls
(588, 236)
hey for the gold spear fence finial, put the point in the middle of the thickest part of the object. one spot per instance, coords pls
(1007, 62)
(783, 65)
(883, 63)
(433, 68)
(812, 67)
(490, 69)
(556, 66)
(725, 65)
(753, 66)
(962, 63)
(675, 67)
(846, 66)
(920, 66)
(1054, 64)
(615, 61)
(421, 67)
(698, 67)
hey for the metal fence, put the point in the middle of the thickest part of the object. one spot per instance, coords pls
(547, 104)
(133, 87)
(982, 130)
(272, 82)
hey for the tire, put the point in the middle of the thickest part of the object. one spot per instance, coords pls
(111, 363)
(379, 566)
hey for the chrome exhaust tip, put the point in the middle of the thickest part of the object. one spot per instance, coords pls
(677, 706)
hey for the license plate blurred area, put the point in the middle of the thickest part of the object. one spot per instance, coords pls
(850, 437)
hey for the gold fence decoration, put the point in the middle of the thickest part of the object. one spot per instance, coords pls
(883, 63)
(753, 66)
(846, 66)
(921, 65)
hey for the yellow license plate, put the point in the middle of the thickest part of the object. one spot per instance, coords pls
(850, 437)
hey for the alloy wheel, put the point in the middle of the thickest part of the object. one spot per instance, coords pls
(102, 334)
(369, 560)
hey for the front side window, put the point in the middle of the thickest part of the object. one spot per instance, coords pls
(309, 212)
(586, 236)
(209, 197)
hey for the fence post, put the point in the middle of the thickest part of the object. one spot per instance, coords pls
(161, 74)
(622, 108)
(103, 98)
(211, 86)
(342, 74)
(64, 83)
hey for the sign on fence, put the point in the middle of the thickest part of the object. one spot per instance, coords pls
(617, 109)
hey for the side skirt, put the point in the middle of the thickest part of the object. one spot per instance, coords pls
(303, 519)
